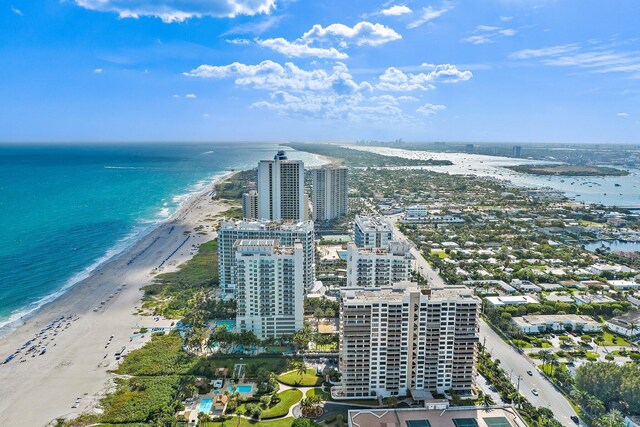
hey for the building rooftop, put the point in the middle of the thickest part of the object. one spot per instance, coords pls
(264, 224)
(628, 318)
(553, 318)
(373, 223)
(396, 293)
(513, 300)
(452, 417)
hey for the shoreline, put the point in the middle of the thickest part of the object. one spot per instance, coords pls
(85, 274)
(80, 354)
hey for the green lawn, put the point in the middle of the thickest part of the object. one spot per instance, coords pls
(610, 339)
(324, 395)
(440, 253)
(522, 344)
(233, 422)
(288, 398)
(293, 378)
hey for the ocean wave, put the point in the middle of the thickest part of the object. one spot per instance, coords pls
(143, 227)
(118, 248)
(124, 167)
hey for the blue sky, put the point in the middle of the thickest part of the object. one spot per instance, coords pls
(203, 70)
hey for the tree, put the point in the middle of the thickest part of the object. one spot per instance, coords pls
(266, 400)
(303, 422)
(545, 356)
(391, 401)
(594, 406)
(487, 400)
(256, 412)
(613, 418)
(302, 338)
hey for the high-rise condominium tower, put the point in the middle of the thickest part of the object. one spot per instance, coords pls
(287, 232)
(269, 287)
(250, 205)
(394, 341)
(329, 192)
(281, 189)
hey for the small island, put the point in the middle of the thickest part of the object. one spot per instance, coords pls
(568, 170)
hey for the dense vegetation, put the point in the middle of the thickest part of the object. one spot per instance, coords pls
(174, 294)
(357, 158)
(163, 355)
(616, 386)
(232, 188)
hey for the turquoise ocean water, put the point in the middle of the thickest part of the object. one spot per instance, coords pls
(65, 209)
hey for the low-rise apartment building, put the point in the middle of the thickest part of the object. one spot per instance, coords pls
(556, 322)
(627, 324)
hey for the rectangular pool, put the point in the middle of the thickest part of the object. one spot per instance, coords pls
(241, 389)
(205, 406)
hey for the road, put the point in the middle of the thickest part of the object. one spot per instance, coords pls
(511, 361)
(516, 365)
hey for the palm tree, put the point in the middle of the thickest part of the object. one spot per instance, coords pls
(544, 355)
(555, 363)
(594, 406)
(612, 419)
(391, 401)
(301, 369)
(306, 405)
(487, 400)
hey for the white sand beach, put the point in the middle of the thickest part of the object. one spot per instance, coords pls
(77, 363)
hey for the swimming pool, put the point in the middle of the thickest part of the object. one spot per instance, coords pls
(205, 406)
(241, 389)
(229, 324)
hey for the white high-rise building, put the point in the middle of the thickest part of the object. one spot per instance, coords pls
(269, 287)
(394, 341)
(250, 205)
(281, 189)
(372, 231)
(329, 192)
(286, 232)
(378, 267)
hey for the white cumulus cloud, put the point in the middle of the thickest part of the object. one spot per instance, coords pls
(191, 96)
(394, 79)
(430, 109)
(292, 49)
(622, 114)
(98, 70)
(180, 10)
(333, 93)
(363, 33)
(396, 10)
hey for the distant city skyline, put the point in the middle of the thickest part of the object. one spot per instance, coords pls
(238, 70)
